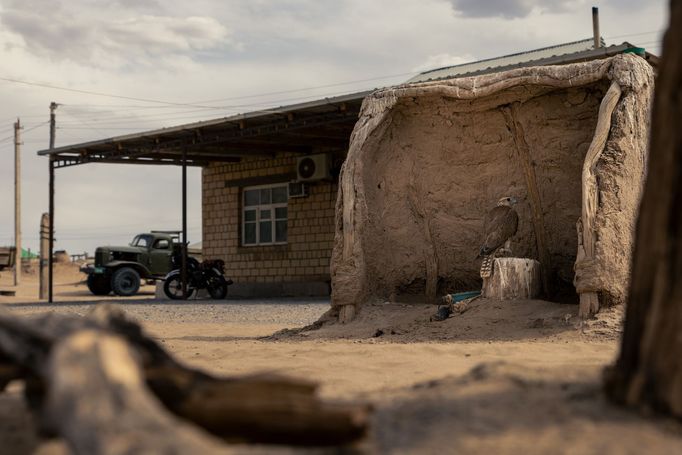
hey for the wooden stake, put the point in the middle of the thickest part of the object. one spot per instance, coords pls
(44, 246)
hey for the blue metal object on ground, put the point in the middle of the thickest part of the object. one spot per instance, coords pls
(459, 296)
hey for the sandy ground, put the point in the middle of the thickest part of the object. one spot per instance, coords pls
(502, 377)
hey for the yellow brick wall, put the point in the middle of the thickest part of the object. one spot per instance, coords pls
(310, 229)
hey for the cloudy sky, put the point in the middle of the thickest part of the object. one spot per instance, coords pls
(234, 56)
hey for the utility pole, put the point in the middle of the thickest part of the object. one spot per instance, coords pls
(17, 200)
(50, 272)
(44, 242)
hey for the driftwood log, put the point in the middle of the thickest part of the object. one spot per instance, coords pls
(648, 373)
(589, 298)
(106, 387)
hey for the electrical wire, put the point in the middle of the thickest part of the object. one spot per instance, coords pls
(24, 131)
(89, 92)
(634, 34)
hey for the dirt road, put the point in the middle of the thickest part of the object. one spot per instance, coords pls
(503, 377)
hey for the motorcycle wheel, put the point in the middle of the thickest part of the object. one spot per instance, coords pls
(217, 287)
(172, 287)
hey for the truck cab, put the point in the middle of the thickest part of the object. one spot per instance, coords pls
(121, 268)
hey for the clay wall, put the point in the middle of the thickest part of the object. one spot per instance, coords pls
(454, 166)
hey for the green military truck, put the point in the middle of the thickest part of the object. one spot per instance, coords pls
(121, 268)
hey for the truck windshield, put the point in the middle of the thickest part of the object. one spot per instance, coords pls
(141, 240)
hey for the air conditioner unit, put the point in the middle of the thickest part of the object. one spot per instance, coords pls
(313, 167)
(297, 189)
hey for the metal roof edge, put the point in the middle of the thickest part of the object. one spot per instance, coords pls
(206, 123)
(553, 60)
(515, 54)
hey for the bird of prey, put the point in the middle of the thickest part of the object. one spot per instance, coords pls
(499, 226)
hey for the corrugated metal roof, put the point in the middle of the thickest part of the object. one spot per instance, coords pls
(504, 61)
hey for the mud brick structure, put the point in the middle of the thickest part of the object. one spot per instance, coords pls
(428, 160)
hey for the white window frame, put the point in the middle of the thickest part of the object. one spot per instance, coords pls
(258, 208)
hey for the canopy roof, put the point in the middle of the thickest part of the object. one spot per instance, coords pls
(324, 124)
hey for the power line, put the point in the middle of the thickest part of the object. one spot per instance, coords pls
(25, 131)
(89, 92)
(634, 34)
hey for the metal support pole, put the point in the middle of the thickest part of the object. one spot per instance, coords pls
(51, 234)
(595, 27)
(50, 274)
(53, 124)
(17, 200)
(183, 271)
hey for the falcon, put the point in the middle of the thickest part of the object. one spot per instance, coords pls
(499, 227)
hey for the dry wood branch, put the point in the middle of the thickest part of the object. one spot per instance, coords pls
(97, 401)
(589, 300)
(416, 200)
(257, 409)
(511, 117)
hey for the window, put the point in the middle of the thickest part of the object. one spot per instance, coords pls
(264, 220)
(142, 240)
(161, 244)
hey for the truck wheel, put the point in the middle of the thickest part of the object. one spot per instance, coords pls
(125, 282)
(99, 284)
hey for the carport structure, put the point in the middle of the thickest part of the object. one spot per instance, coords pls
(319, 126)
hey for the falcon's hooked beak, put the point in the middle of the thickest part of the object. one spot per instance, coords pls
(508, 201)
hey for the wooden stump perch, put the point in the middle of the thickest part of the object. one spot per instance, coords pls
(513, 278)
(106, 387)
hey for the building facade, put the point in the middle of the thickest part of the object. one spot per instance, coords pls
(273, 243)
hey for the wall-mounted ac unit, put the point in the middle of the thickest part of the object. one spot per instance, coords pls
(297, 189)
(313, 167)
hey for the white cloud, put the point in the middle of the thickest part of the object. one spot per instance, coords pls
(512, 8)
(94, 35)
(190, 51)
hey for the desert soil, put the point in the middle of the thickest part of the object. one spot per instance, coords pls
(502, 377)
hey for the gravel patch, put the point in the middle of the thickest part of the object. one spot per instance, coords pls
(287, 311)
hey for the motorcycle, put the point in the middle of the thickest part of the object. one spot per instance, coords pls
(209, 275)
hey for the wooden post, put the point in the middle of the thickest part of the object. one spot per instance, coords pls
(183, 271)
(589, 300)
(17, 201)
(44, 245)
(523, 152)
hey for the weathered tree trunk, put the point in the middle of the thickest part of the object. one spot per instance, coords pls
(513, 278)
(104, 386)
(648, 373)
